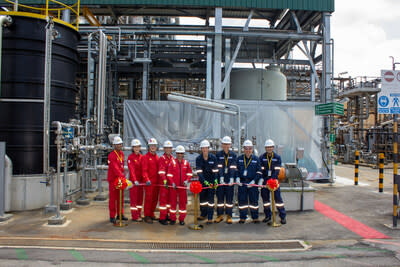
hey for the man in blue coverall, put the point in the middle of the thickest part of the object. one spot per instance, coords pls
(206, 166)
(270, 166)
(227, 171)
(249, 173)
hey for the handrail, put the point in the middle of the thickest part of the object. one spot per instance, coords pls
(73, 8)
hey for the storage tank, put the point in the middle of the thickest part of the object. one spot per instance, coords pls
(258, 84)
(22, 80)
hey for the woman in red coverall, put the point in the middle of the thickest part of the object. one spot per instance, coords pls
(150, 175)
(115, 171)
(135, 175)
(179, 175)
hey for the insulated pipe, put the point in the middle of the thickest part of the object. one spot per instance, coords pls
(366, 115)
(101, 82)
(4, 20)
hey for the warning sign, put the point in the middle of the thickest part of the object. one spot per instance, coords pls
(389, 97)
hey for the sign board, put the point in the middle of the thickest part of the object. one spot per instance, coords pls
(68, 132)
(332, 108)
(389, 96)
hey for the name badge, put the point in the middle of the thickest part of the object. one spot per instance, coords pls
(245, 173)
(226, 170)
(269, 172)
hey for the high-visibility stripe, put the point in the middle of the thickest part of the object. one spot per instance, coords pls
(219, 165)
(211, 204)
(161, 172)
(220, 205)
(214, 170)
(204, 204)
(233, 167)
(134, 208)
(279, 204)
(243, 207)
(172, 211)
(253, 207)
(259, 172)
(267, 204)
(170, 175)
(168, 206)
(139, 207)
(182, 211)
(229, 205)
(277, 168)
(189, 174)
(162, 208)
(199, 171)
(262, 168)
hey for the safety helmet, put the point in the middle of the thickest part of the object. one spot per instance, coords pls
(204, 143)
(152, 141)
(248, 143)
(168, 144)
(136, 142)
(269, 142)
(226, 140)
(179, 149)
(117, 140)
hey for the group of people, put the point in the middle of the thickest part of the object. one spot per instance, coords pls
(164, 181)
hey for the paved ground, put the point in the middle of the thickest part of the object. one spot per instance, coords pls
(26, 240)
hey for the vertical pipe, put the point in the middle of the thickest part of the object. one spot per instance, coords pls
(381, 161)
(58, 175)
(47, 94)
(395, 161)
(227, 62)
(90, 78)
(357, 161)
(217, 53)
(209, 69)
(2, 177)
(4, 20)
(101, 82)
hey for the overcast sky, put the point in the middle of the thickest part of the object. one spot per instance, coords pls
(366, 33)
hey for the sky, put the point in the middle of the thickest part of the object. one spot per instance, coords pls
(365, 33)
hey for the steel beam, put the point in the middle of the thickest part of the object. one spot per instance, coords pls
(217, 53)
(209, 68)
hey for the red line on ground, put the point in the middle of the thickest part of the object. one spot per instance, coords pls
(349, 223)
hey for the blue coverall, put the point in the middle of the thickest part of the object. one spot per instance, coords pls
(270, 165)
(227, 170)
(249, 169)
(207, 171)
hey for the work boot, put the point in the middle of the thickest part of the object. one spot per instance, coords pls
(137, 220)
(219, 219)
(172, 222)
(266, 219)
(209, 222)
(154, 218)
(242, 221)
(123, 218)
(283, 221)
(147, 219)
(201, 218)
(112, 220)
(182, 223)
(168, 219)
(228, 219)
(163, 222)
(256, 221)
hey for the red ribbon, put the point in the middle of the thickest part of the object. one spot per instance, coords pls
(273, 184)
(195, 187)
(120, 183)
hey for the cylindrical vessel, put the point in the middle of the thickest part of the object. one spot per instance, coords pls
(22, 80)
(258, 84)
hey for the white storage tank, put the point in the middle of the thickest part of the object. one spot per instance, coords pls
(258, 84)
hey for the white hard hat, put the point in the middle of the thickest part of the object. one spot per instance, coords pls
(269, 142)
(152, 141)
(168, 144)
(179, 149)
(204, 143)
(248, 143)
(136, 142)
(226, 140)
(117, 140)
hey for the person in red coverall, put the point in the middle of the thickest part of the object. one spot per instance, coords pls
(115, 171)
(179, 174)
(150, 175)
(135, 175)
(163, 163)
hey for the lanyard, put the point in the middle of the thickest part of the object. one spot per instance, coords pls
(246, 164)
(269, 160)
(118, 156)
(226, 160)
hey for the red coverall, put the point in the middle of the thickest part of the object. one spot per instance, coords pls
(150, 173)
(115, 170)
(178, 172)
(136, 192)
(164, 205)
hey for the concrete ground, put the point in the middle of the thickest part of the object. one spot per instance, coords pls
(88, 237)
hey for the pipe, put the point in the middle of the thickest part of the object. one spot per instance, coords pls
(366, 115)
(101, 82)
(7, 185)
(4, 20)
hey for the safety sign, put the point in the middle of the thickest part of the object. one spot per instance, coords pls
(389, 96)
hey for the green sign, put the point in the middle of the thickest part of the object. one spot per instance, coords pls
(332, 138)
(332, 108)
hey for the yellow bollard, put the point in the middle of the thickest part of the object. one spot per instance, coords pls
(120, 224)
(356, 167)
(196, 226)
(381, 166)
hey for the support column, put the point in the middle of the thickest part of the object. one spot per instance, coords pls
(209, 68)
(145, 79)
(227, 62)
(217, 53)
(3, 216)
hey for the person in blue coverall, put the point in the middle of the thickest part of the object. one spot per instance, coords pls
(227, 172)
(249, 174)
(270, 166)
(206, 166)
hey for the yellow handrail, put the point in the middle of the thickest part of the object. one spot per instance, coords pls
(74, 8)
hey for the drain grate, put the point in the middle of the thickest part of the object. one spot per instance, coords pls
(158, 245)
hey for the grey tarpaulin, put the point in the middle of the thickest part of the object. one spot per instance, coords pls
(290, 124)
